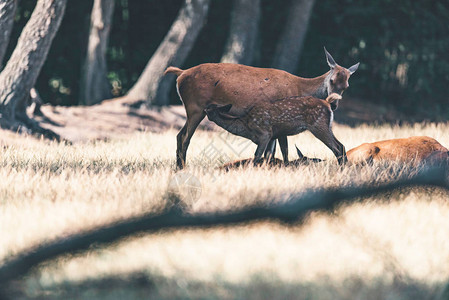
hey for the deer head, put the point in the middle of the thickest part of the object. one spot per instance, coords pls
(337, 80)
(302, 158)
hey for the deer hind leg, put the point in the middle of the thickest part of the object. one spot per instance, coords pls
(270, 151)
(328, 138)
(184, 136)
(283, 144)
(180, 160)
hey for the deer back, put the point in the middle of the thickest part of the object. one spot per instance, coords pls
(414, 149)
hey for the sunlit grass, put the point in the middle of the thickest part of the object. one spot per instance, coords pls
(392, 244)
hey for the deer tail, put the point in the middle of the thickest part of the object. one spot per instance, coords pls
(175, 70)
(333, 97)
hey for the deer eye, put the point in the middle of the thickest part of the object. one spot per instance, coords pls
(332, 81)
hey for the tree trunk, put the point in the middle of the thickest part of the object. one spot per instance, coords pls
(240, 46)
(94, 83)
(290, 43)
(25, 64)
(7, 13)
(152, 87)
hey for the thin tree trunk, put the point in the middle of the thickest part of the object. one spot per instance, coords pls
(26, 62)
(288, 49)
(7, 13)
(152, 87)
(94, 83)
(240, 46)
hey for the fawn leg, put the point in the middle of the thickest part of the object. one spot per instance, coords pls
(270, 151)
(328, 138)
(261, 147)
(283, 144)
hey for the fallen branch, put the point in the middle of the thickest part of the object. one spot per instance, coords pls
(291, 211)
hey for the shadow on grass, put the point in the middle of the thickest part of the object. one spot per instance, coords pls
(262, 286)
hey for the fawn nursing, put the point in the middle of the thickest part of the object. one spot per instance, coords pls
(277, 119)
(268, 104)
(241, 86)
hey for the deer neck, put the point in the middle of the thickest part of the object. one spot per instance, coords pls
(235, 125)
(319, 86)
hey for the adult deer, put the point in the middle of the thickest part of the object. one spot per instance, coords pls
(266, 120)
(241, 85)
(416, 149)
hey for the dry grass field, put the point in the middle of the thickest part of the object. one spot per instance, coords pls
(390, 247)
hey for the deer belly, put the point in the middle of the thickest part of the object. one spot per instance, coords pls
(280, 131)
(245, 94)
(237, 128)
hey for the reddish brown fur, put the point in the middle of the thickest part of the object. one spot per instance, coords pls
(415, 149)
(418, 149)
(241, 85)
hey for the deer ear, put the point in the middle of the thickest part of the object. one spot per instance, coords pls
(330, 60)
(353, 68)
(299, 152)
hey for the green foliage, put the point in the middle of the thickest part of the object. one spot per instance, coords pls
(402, 46)
(138, 29)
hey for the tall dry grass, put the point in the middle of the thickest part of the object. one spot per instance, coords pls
(393, 246)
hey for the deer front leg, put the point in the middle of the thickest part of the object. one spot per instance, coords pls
(328, 138)
(283, 144)
(340, 152)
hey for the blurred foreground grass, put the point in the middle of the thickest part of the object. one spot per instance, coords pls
(393, 247)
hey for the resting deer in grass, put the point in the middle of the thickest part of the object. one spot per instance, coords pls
(266, 120)
(273, 162)
(241, 85)
(416, 149)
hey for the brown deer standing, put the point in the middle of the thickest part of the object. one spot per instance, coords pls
(268, 120)
(240, 85)
(416, 149)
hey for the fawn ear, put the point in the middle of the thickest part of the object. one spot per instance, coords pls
(220, 108)
(225, 108)
(353, 68)
(333, 97)
(210, 107)
(330, 60)
(224, 112)
(299, 152)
